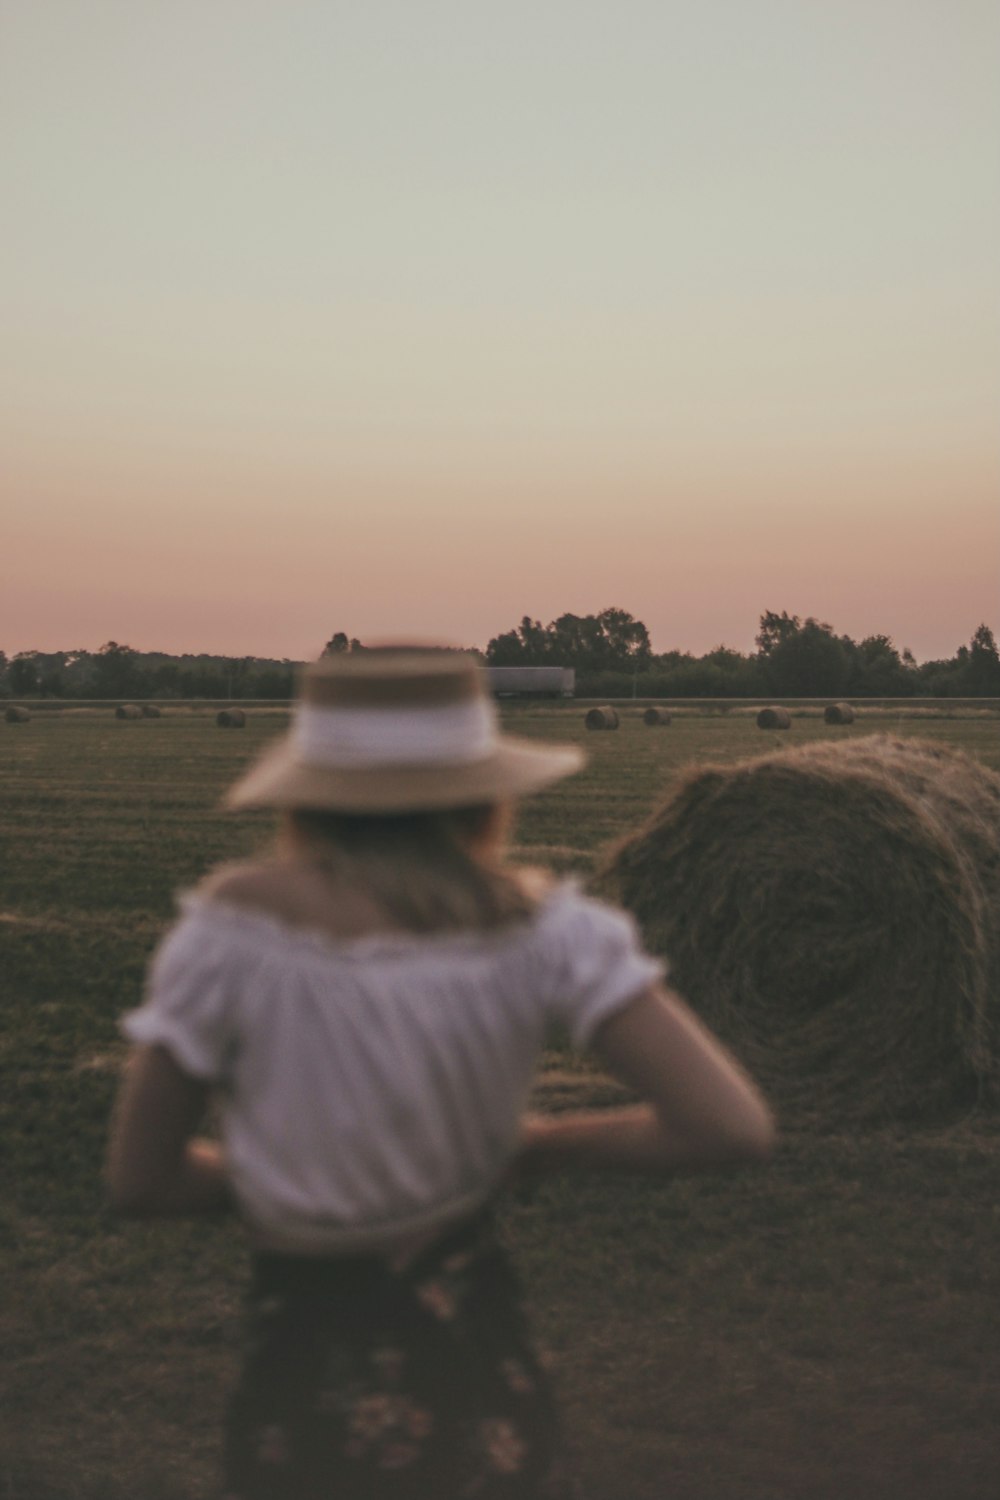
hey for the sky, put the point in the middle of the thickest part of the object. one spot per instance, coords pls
(410, 320)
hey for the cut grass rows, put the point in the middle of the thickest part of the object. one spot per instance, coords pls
(826, 1326)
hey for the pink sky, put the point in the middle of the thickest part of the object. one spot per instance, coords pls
(236, 566)
(414, 320)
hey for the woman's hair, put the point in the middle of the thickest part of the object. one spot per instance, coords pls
(421, 868)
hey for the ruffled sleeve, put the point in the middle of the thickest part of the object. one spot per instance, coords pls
(190, 998)
(593, 962)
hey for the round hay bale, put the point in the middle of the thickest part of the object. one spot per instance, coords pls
(602, 718)
(838, 713)
(128, 711)
(231, 718)
(965, 797)
(774, 718)
(654, 716)
(833, 911)
(15, 714)
(150, 711)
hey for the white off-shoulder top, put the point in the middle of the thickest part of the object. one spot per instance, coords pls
(372, 1087)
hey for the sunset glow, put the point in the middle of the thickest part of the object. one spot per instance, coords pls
(415, 320)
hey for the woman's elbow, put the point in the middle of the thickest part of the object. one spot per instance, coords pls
(129, 1195)
(753, 1137)
(738, 1140)
(129, 1204)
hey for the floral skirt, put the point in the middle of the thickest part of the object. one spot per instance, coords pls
(419, 1384)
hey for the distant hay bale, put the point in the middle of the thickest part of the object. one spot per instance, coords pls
(128, 711)
(774, 718)
(17, 715)
(656, 716)
(150, 711)
(838, 713)
(231, 718)
(834, 912)
(602, 718)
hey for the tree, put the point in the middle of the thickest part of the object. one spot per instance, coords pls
(536, 640)
(165, 679)
(235, 670)
(774, 629)
(945, 678)
(808, 662)
(505, 650)
(877, 670)
(626, 639)
(526, 646)
(611, 641)
(78, 673)
(116, 671)
(741, 676)
(984, 664)
(340, 642)
(275, 681)
(22, 674)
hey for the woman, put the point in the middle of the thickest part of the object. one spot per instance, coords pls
(366, 1006)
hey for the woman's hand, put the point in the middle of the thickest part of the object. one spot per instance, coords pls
(703, 1110)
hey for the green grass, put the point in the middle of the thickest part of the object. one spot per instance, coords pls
(824, 1326)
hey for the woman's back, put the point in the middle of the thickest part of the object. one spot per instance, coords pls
(372, 1080)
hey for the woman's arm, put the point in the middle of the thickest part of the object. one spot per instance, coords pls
(703, 1110)
(155, 1164)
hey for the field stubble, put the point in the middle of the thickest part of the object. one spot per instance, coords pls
(824, 1326)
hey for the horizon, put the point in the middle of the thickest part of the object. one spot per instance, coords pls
(657, 649)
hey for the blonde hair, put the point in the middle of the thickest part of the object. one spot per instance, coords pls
(421, 868)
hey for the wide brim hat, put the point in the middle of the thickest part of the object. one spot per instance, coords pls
(393, 731)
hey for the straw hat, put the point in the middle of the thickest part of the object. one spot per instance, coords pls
(397, 731)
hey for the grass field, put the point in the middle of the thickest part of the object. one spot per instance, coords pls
(825, 1326)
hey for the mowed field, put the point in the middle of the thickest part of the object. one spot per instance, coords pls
(827, 1325)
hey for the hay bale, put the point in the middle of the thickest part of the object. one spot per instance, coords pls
(774, 718)
(128, 711)
(602, 718)
(15, 714)
(150, 711)
(965, 797)
(838, 713)
(654, 716)
(231, 718)
(834, 912)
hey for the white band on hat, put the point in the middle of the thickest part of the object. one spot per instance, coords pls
(351, 738)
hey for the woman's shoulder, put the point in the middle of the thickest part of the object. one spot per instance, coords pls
(583, 929)
(295, 893)
(214, 915)
(295, 896)
(249, 882)
(535, 883)
(566, 901)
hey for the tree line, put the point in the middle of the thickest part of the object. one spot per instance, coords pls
(610, 652)
(795, 658)
(119, 671)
